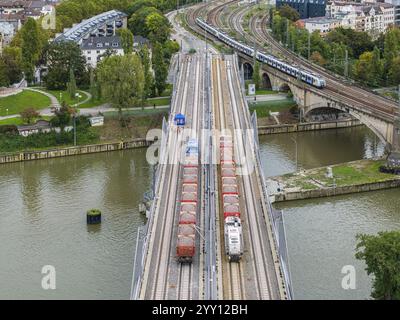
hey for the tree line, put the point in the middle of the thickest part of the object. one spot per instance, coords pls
(373, 62)
(66, 65)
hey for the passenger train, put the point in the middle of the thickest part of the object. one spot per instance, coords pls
(292, 70)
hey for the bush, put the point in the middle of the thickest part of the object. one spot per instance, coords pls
(9, 129)
(14, 142)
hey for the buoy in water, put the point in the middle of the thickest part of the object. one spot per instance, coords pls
(93, 216)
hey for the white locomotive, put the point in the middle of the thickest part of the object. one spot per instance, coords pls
(294, 71)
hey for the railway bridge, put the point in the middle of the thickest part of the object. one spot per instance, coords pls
(309, 98)
(376, 112)
(227, 182)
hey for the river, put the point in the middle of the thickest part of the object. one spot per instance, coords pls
(43, 222)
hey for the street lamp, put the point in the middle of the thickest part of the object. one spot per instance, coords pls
(295, 141)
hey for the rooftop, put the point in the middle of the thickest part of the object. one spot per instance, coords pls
(77, 32)
(96, 43)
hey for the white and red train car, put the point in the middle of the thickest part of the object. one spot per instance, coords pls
(230, 200)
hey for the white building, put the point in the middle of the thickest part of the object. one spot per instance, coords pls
(396, 4)
(321, 24)
(95, 48)
(374, 18)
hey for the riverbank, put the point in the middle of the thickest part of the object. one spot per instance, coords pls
(74, 151)
(112, 131)
(308, 126)
(352, 177)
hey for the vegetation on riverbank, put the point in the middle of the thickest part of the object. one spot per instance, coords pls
(39, 141)
(348, 174)
(381, 254)
(264, 108)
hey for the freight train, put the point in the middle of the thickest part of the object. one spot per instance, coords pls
(230, 200)
(186, 242)
(292, 70)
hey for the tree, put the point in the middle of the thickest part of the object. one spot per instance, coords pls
(368, 68)
(94, 88)
(377, 66)
(256, 75)
(137, 22)
(62, 116)
(160, 68)
(61, 58)
(363, 69)
(317, 58)
(391, 51)
(126, 37)
(158, 27)
(148, 76)
(28, 115)
(4, 81)
(381, 254)
(289, 13)
(394, 71)
(71, 86)
(121, 79)
(12, 59)
(31, 47)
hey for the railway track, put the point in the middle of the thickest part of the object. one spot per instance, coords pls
(231, 113)
(165, 278)
(231, 270)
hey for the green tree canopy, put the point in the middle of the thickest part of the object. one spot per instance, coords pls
(121, 79)
(137, 22)
(381, 254)
(158, 27)
(289, 13)
(126, 37)
(160, 68)
(62, 57)
(31, 46)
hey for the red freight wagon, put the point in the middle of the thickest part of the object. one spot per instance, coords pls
(229, 189)
(229, 180)
(190, 171)
(189, 197)
(186, 230)
(185, 249)
(231, 198)
(231, 210)
(188, 207)
(189, 187)
(228, 172)
(189, 179)
(187, 217)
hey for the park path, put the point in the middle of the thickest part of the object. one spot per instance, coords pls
(53, 99)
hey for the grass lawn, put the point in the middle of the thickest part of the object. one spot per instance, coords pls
(65, 96)
(353, 173)
(145, 112)
(158, 101)
(92, 103)
(26, 99)
(264, 108)
(18, 121)
(262, 92)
